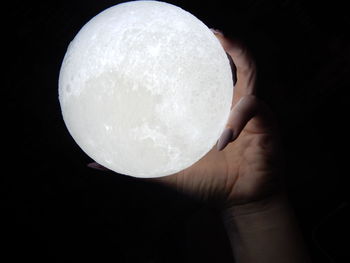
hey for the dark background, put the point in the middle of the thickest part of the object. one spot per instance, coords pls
(57, 210)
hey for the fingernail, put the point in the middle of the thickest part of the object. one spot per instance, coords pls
(217, 31)
(233, 69)
(97, 166)
(225, 138)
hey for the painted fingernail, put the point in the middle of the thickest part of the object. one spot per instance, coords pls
(224, 139)
(217, 31)
(97, 166)
(233, 68)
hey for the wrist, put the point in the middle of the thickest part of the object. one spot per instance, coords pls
(271, 202)
(265, 231)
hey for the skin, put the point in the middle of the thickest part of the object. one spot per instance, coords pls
(242, 175)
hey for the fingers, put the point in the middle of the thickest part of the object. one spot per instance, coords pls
(244, 63)
(97, 166)
(248, 109)
(239, 53)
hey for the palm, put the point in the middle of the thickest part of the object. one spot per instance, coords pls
(240, 173)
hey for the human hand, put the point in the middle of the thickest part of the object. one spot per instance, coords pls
(245, 164)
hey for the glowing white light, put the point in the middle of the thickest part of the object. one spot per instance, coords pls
(145, 89)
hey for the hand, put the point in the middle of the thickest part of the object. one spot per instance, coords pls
(248, 168)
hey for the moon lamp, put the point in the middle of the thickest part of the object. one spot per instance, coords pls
(145, 89)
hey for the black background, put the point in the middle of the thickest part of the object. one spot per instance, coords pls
(57, 210)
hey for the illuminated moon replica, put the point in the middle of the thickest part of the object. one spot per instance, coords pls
(145, 89)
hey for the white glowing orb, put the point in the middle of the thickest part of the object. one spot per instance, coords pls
(145, 89)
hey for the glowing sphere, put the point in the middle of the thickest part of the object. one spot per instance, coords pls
(145, 89)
